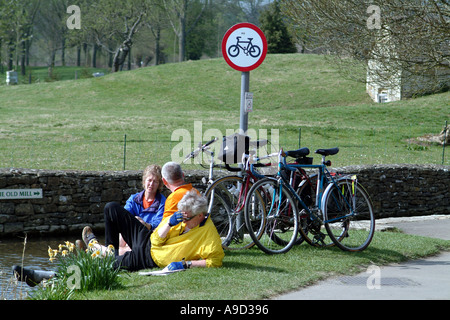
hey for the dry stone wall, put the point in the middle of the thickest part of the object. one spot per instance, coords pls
(405, 190)
(73, 199)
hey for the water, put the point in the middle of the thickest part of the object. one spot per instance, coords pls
(34, 257)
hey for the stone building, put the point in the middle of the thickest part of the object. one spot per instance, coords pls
(388, 80)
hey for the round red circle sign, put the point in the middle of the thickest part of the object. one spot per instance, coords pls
(244, 47)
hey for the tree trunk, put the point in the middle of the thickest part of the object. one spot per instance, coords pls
(78, 56)
(22, 59)
(157, 45)
(121, 55)
(94, 56)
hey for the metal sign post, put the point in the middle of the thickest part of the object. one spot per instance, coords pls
(245, 85)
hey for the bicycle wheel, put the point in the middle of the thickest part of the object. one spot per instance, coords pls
(271, 216)
(311, 229)
(348, 215)
(226, 196)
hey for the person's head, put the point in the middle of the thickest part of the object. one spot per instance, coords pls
(152, 178)
(194, 208)
(172, 173)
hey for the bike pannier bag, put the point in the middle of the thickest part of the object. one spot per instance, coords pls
(233, 147)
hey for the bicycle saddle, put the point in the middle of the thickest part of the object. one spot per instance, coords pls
(302, 152)
(327, 152)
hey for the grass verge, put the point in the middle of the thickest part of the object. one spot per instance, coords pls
(251, 274)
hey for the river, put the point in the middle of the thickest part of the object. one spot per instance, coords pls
(35, 257)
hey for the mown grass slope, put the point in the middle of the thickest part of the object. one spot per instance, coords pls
(81, 124)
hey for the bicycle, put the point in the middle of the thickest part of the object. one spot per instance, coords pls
(226, 197)
(251, 49)
(340, 204)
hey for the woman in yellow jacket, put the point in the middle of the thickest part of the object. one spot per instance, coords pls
(188, 238)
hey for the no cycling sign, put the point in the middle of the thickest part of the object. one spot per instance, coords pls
(244, 47)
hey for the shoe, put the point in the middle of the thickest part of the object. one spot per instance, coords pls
(30, 276)
(88, 235)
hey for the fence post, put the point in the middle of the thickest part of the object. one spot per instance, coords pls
(124, 151)
(299, 138)
(443, 143)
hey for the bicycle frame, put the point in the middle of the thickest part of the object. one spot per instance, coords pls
(323, 174)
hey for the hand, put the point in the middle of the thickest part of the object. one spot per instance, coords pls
(176, 266)
(176, 218)
(147, 225)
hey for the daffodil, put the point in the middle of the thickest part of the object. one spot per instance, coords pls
(91, 245)
(95, 254)
(110, 249)
(64, 253)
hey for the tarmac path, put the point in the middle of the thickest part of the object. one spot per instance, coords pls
(423, 279)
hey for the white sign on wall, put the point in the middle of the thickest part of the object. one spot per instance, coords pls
(20, 194)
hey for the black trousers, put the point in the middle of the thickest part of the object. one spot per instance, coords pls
(136, 235)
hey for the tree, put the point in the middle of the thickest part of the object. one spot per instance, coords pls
(115, 21)
(177, 11)
(407, 36)
(51, 25)
(156, 21)
(277, 34)
(16, 27)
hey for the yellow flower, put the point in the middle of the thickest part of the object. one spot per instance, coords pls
(95, 254)
(64, 253)
(110, 249)
(60, 247)
(50, 251)
(52, 259)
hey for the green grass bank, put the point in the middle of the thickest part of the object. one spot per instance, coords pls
(81, 124)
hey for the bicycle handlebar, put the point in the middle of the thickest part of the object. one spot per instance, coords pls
(201, 148)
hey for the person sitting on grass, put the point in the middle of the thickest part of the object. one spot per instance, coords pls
(148, 205)
(173, 179)
(188, 238)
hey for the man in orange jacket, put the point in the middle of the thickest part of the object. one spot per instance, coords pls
(173, 179)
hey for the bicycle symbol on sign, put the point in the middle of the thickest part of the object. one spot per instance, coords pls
(251, 49)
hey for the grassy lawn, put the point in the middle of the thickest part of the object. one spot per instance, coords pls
(82, 124)
(251, 274)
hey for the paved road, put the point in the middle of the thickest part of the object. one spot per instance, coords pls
(423, 279)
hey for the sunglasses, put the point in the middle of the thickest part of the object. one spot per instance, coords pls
(188, 218)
